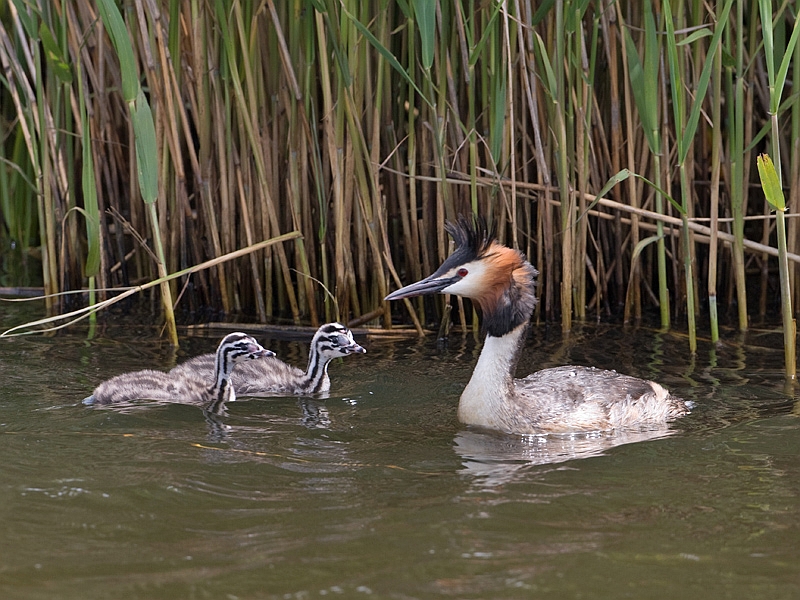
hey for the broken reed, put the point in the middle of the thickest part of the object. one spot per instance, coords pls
(365, 125)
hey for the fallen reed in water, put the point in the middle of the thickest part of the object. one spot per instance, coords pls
(365, 125)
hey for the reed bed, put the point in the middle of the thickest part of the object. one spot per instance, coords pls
(600, 138)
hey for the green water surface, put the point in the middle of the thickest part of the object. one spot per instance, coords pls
(378, 491)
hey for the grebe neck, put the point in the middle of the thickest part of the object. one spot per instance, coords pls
(506, 317)
(316, 372)
(222, 391)
(492, 383)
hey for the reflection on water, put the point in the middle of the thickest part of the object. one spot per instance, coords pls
(378, 491)
(497, 459)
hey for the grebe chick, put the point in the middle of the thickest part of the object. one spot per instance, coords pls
(234, 349)
(563, 399)
(275, 377)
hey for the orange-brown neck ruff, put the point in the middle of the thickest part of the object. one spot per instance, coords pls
(509, 284)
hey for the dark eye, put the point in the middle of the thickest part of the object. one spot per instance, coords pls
(462, 272)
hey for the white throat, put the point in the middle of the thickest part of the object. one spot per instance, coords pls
(484, 400)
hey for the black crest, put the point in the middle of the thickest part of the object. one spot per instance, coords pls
(472, 238)
(470, 233)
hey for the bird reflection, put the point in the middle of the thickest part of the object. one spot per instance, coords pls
(495, 459)
(315, 414)
(217, 429)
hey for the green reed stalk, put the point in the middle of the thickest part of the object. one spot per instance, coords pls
(90, 206)
(716, 160)
(248, 107)
(556, 88)
(345, 215)
(57, 88)
(437, 94)
(562, 157)
(736, 115)
(771, 183)
(794, 177)
(145, 142)
(17, 187)
(307, 33)
(376, 226)
(498, 97)
(8, 214)
(509, 33)
(36, 134)
(207, 105)
(776, 80)
(337, 157)
(39, 149)
(770, 173)
(583, 62)
(412, 150)
(467, 35)
(298, 126)
(544, 232)
(644, 86)
(367, 192)
(686, 125)
(681, 127)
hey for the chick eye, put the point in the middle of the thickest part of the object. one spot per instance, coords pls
(462, 272)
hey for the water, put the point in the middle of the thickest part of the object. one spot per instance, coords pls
(378, 492)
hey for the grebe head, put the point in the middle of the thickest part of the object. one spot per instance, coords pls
(334, 339)
(238, 346)
(499, 279)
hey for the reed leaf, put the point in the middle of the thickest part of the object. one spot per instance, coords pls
(53, 55)
(425, 20)
(115, 26)
(783, 70)
(144, 132)
(623, 175)
(686, 136)
(544, 60)
(644, 78)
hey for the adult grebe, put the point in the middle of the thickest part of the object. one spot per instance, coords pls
(562, 399)
(234, 349)
(273, 376)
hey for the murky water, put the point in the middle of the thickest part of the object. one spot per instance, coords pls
(378, 492)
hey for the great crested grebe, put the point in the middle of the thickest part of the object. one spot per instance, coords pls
(273, 376)
(235, 348)
(562, 399)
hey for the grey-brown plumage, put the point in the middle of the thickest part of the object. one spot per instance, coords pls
(273, 376)
(563, 399)
(212, 393)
